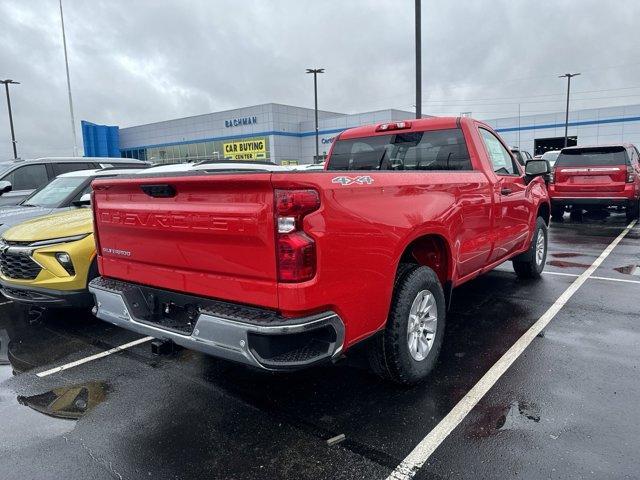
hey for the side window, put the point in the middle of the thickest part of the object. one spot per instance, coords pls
(528, 156)
(59, 168)
(498, 154)
(28, 177)
(635, 155)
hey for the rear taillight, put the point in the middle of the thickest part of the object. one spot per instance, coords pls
(95, 222)
(296, 251)
(552, 175)
(630, 175)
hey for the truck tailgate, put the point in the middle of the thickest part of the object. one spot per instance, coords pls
(208, 234)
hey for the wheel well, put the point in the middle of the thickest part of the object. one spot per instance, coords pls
(544, 212)
(431, 251)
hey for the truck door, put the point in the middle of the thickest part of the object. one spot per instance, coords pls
(512, 210)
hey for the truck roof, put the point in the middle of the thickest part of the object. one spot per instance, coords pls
(417, 125)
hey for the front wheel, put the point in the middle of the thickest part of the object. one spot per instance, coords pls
(407, 349)
(531, 263)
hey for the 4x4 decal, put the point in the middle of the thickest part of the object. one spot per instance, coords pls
(359, 180)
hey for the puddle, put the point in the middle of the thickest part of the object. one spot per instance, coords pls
(627, 270)
(518, 413)
(516, 416)
(67, 402)
(565, 264)
(566, 255)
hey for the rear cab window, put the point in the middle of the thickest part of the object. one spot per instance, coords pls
(593, 157)
(429, 150)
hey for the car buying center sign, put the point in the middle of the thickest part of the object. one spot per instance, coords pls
(251, 149)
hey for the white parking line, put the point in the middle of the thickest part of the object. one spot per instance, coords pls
(94, 357)
(5, 303)
(421, 453)
(594, 277)
(623, 280)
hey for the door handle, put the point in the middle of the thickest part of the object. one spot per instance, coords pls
(505, 191)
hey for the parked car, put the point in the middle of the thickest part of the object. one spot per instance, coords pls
(551, 156)
(522, 156)
(218, 165)
(283, 270)
(69, 190)
(47, 261)
(20, 178)
(592, 177)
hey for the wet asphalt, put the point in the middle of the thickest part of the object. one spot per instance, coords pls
(567, 408)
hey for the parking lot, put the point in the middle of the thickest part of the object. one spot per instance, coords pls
(565, 407)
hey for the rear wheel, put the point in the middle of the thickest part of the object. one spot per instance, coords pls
(531, 263)
(633, 210)
(407, 349)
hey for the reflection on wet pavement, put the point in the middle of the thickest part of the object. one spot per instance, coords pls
(67, 402)
(565, 264)
(629, 270)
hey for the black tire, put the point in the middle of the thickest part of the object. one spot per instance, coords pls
(389, 354)
(633, 211)
(529, 264)
(557, 213)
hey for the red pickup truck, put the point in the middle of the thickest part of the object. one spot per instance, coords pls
(282, 270)
(596, 177)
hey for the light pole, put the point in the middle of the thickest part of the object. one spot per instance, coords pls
(315, 72)
(13, 135)
(66, 62)
(418, 22)
(568, 76)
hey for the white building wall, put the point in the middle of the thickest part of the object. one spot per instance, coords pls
(290, 130)
(593, 126)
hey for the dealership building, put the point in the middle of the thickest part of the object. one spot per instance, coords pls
(285, 134)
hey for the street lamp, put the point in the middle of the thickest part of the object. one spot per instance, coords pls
(13, 135)
(568, 76)
(315, 72)
(418, 22)
(66, 63)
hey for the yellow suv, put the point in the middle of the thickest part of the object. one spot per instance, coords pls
(48, 261)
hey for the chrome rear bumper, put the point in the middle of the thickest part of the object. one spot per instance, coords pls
(234, 332)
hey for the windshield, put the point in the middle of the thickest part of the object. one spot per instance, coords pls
(596, 156)
(429, 150)
(551, 156)
(54, 193)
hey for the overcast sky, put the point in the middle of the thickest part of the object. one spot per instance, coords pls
(135, 61)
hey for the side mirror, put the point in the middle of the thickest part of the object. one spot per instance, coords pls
(84, 201)
(5, 186)
(535, 168)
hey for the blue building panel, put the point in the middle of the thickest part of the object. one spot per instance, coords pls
(100, 140)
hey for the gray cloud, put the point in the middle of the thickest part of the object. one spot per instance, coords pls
(142, 61)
